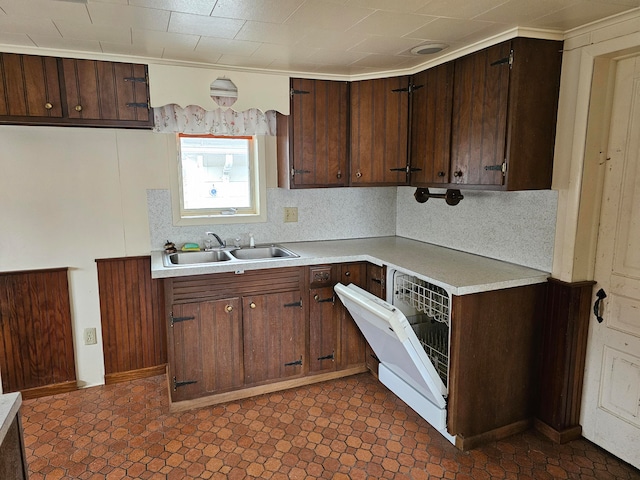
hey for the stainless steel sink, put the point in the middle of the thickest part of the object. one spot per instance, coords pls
(263, 252)
(191, 258)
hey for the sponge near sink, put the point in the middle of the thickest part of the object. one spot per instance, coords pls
(191, 247)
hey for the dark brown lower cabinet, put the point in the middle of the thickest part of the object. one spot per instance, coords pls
(493, 362)
(562, 359)
(323, 333)
(352, 343)
(234, 336)
(274, 333)
(132, 319)
(207, 348)
(36, 355)
(13, 463)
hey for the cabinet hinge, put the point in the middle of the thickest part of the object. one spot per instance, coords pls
(173, 319)
(505, 60)
(328, 357)
(177, 384)
(135, 79)
(293, 92)
(413, 87)
(400, 90)
(294, 304)
(294, 363)
(498, 168)
(299, 172)
(138, 105)
(331, 299)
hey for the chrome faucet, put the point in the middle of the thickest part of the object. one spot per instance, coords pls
(220, 241)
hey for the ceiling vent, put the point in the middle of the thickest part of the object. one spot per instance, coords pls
(429, 48)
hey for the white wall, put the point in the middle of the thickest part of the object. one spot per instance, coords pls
(73, 195)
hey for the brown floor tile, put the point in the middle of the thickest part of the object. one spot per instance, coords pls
(351, 428)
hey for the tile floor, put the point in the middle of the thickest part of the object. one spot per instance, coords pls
(351, 428)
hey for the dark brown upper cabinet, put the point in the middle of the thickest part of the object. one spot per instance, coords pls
(505, 101)
(431, 103)
(29, 87)
(103, 93)
(380, 131)
(313, 141)
(38, 90)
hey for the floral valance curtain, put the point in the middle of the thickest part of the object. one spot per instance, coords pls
(194, 119)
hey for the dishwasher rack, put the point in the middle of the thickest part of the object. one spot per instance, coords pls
(434, 338)
(423, 296)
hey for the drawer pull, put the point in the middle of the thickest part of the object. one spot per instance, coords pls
(78, 108)
(48, 106)
(252, 305)
(228, 308)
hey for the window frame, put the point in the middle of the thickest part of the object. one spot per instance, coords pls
(257, 172)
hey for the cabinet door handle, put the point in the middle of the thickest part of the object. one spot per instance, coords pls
(78, 108)
(229, 308)
(252, 305)
(339, 174)
(376, 280)
(358, 174)
(294, 363)
(347, 274)
(48, 106)
(441, 174)
(457, 173)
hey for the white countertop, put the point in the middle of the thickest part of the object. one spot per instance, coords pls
(9, 406)
(459, 272)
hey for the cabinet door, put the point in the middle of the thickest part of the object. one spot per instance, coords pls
(108, 91)
(313, 148)
(323, 331)
(29, 86)
(205, 348)
(379, 131)
(431, 103)
(274, 336)
(481, 89)
(352, 343)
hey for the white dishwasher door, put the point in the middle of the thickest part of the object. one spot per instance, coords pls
(405, 367)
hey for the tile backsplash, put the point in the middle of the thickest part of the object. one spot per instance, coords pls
(517, 227)
(323, 214)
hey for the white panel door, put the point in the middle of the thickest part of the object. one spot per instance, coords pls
(611, 395)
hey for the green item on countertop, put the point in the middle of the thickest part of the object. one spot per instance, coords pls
(191, 247)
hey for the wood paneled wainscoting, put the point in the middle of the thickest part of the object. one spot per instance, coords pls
(562, 359)
(133, 321)
(36, 340)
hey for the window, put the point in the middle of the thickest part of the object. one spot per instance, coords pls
(219, 180)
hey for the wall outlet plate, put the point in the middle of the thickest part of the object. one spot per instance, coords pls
(90, 337)
(290, 214)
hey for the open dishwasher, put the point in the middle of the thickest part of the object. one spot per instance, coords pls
(409, 334)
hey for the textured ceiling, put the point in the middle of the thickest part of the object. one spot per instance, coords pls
(341, 37)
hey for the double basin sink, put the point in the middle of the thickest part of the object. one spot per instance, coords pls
(261, 252)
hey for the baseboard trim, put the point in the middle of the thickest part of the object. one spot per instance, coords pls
(261, 389)
(119, 377)
(558, 436)
(469, 443)
(48, 390)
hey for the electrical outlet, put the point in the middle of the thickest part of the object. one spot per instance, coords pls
(290, 214)
(90, 336)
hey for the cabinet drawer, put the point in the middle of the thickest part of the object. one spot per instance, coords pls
(229, 284)
(321, 276)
